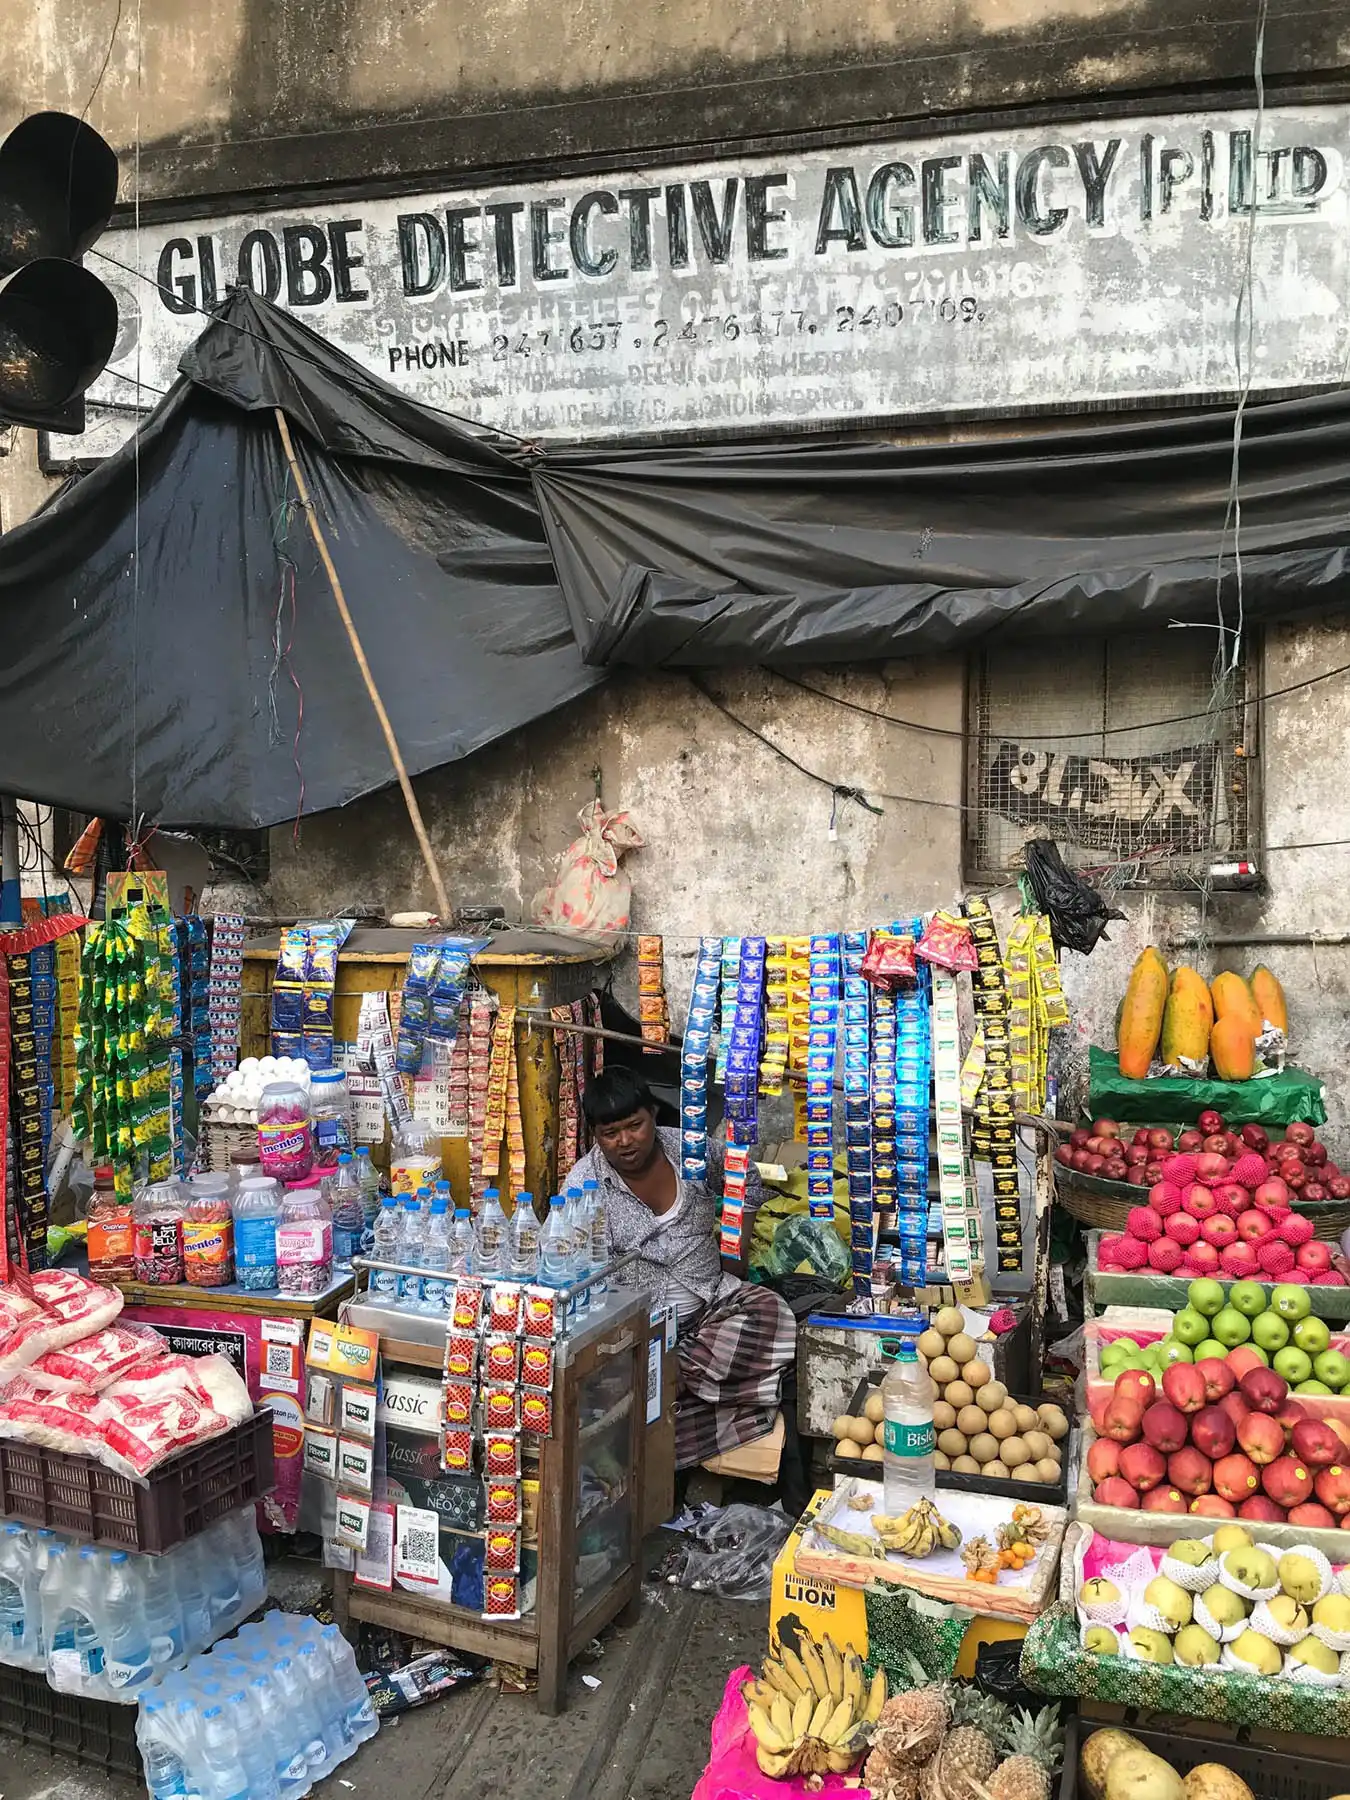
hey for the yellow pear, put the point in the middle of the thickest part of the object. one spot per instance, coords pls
(1231, 1537)
(1258, 1652)
(1300, 1578)
(1315, 1653)
(1333, 1613)
(1286, 1611)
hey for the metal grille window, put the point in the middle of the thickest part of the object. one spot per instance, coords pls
(1114, 748)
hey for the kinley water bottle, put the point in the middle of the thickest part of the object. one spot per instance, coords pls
(388, 1246)
(908, 1471)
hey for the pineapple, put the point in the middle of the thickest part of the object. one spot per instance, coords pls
(966, 1759)
(911, 1726)
(972, 1706)
(1034, 1748)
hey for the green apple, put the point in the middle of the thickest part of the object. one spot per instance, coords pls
(1192, 1327)
(1312, 1335)
(1249, 1297)
(1172, 1350)
(1205, 1297)
(1333, 1368)
(1230, 1327)
(1291, 1301)
(1312, 1387)
(1294, 1364)
(1269, 1331)
(1211, 1347)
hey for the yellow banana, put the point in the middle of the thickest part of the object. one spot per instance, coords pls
(772, 1763)
(815, 1668)
(841, 1759)
(758, 1693)
(820, 1717)
(766, 1733)
(839, 1725)
(795, 1670)
(801, 1717)
(834, 1666)
(853, 1682)
(876, 1698)
(781, 1714)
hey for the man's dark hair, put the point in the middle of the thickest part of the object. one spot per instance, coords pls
(616, 1093)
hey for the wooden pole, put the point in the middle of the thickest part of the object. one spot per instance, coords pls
(409, 798)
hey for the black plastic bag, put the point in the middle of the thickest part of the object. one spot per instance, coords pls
(1078, 915)
(998, 1672)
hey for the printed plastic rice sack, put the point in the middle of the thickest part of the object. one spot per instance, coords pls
(92, 1363)
(75, 1307)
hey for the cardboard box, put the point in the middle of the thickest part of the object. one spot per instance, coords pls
(810, 1605)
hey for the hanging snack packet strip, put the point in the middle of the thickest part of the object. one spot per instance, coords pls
(569, 1099)
(856, 1038)
(515, 1131)
(694, 1061)
(653, 1010)
(913, 1085)
(799, 1007)
(481, 1008)
(742, 1053)
(730, 974)
(994, 1136)
(499, 1078)
(951, 1147)
(773, 1063)
(822, 1049)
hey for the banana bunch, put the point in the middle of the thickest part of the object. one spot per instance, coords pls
(917, 1532)
(812, 1710)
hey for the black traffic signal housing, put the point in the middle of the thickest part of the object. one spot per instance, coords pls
(58, 322)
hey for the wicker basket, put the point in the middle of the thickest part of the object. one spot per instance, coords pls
(1100, 1205)
(218, 1142)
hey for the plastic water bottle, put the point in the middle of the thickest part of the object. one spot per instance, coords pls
(462, 1242)
(301, 1711)
(324, 1702)
(165, 1773)
(255, 1205)
(343, 1194)
(124, 1627)
(524, 1239)
(368, 1180)
(226, 1776)
(15, 1556)
(163, 1614)
(416, 1217)
(436, 1256)
(190, 1584)
(359, 1720)
(277, 1730)
(491, 1237)
(241, 1533)
(555, 1246)
(908, 1472)
(254, 1754)
(599, 1233)
(387, 1247)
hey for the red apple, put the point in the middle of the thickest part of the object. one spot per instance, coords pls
(1136, 1384)
(1253, 1226)
(1219, 1231)
(1136, 1153)
(1339, 1187)
(1064, 1155)
(1213, 1433)
(1313, 1514)
(1204, 1258)
(1164, 1499)
(1103, 1459)
(1254, 1137)
(1261, 1438)
(1190, 1470)
(1235, 1407)
(1263, 1509)
(1142, 1466)
(1242, 1359)
(1159, 1139)
(1333, 1489)
(1341, 1429)
(1200, 1201)
(1215, 1145)
(1165, 1428)
(1315, 1155)
(1213, 1506)
(1315, 1444)
(1236, 1478)
(1153, 1171)
(1184, 1386)
(1190, 1140)
(1210, 1120)
(1106, 1127)
(1219, 1379)
(1314, 1257)
(1239, 1261)
(1289, 1415)
(1182, 1229)
(1138, 1175)
(1264, 1390)
(1288, 1481)
(1123, 1419)
(1299, 1133)
(1314, 1191)
(1296, 1176)
(1283, 1151)
(1115, 1491)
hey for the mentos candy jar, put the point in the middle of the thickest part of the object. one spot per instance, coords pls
(285, 1136)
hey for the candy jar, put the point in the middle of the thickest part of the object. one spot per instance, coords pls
(208, 1233)
(304, 1239)
(157, 1223)
(112, 1231)
(285, 1136)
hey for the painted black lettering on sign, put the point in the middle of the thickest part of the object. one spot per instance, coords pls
(460, 247)
(840, 197)
(639, 204)
(759, 216)
(504, 214)
(988, 191)
(584, 254)
(677, 226)
(260, 264)
(542, 239)
(1040, 223)
(178, 292)
(308, 282)
(345, 261)
(1096, 172)
(936, 199)
(715, 229)
(890, 221)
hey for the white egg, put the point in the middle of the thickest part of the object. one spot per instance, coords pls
(249, 1066)
(267, 1064)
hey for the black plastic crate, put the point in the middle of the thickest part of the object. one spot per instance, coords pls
(1038, 1493)
(1271, 1774)
(92, 1731)
(78, 1496)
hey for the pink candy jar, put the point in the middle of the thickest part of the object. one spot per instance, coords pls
(285, 1134)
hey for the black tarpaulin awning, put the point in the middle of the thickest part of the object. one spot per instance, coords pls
(167, 660)
(810, 552)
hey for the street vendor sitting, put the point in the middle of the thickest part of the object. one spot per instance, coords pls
(736, 1340)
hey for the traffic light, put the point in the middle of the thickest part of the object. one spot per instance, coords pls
(58, 323)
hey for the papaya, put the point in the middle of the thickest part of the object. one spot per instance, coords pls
(1187, 1019)
(1232, 1048)
(1232, 996)
(1269, 998)
(1141, 1015)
